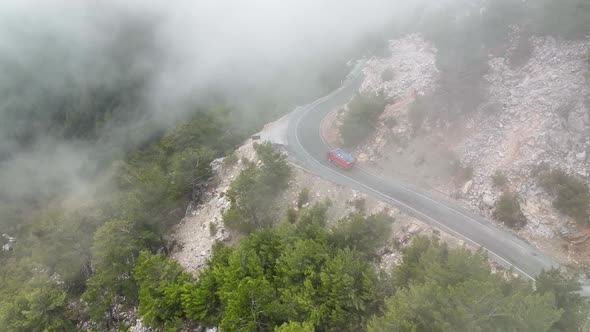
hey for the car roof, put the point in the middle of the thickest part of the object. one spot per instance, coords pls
(344, 155)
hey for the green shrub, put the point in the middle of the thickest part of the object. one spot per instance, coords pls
(277, 171)
(565, 287)
(359, 121)
(508, 211)
(295, 327)
(499, 179)
(303, 197)
(291, 215)
(253, 192)
(39, 305)
(462, 173)
(571, 194)
(364, 233)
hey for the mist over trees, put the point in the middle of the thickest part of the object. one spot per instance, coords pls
(253, 193)
(85, 83)
(110, 111)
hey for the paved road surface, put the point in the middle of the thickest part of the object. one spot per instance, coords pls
(307, 147)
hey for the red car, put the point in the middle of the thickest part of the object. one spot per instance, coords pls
(341, 158)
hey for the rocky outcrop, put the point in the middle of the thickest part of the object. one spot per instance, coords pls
(543, 119)
(536, 111)
(408, 72)
(411, 67)
(203, 224)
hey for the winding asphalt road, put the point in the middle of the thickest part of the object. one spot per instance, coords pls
(306, 146)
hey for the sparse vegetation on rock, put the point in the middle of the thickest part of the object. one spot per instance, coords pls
(364, 233)
(359, 203)
(358, 123)
(253, 192)
(303, 197)
(499, 179)
(508, 210)
(230, 159)
(461, 172)
(571, 195)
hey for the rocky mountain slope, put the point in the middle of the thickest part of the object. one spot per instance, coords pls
(534, 112)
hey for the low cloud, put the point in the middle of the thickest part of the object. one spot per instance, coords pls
(166, 54)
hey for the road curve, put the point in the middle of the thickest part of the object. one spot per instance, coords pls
(308, 149)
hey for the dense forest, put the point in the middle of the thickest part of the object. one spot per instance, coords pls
(92, 176)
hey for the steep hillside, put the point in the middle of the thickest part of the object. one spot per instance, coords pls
(532, 117)
(203, 224)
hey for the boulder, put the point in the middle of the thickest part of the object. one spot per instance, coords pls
(488, 200)
(362, 157)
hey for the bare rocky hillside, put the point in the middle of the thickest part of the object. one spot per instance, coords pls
(534, 113)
